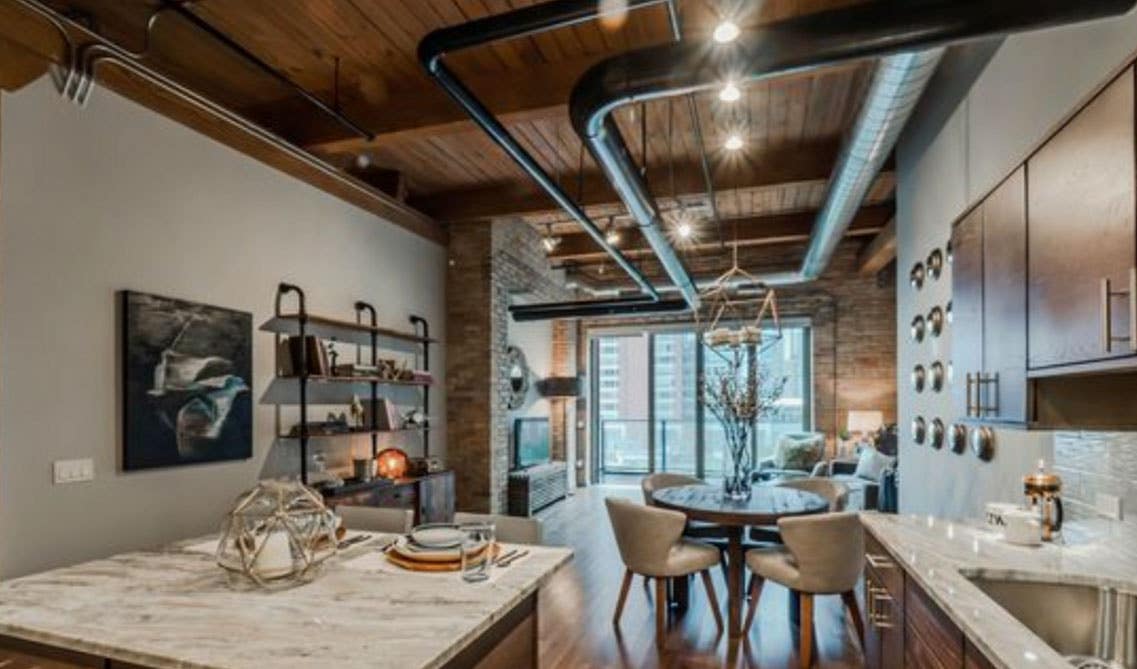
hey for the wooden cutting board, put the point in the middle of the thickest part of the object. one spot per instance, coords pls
(411, 564)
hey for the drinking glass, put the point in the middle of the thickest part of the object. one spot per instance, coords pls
(476, 551)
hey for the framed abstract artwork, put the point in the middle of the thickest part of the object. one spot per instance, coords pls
(187, 382)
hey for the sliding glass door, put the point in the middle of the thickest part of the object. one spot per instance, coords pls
(648, 419)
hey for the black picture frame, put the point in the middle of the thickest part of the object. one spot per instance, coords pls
(187, 390)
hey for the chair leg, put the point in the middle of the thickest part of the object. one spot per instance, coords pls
(660, 611)
(754, 592)
(850, 599)
(623, 596)
(722, 563)
(709, 586)
(805, 649)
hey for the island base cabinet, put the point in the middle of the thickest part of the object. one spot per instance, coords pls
(20, 654)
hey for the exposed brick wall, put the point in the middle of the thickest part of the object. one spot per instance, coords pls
(489, 264)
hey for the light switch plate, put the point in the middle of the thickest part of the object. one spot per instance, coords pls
(1109, 505)
(73, 471)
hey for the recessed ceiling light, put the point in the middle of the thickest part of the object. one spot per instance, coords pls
(363, 161)
(725, 32)
(730, 92)
(733, 143)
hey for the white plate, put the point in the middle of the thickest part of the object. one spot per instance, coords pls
(438, 536)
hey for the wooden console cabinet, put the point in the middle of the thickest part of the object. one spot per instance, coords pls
(532, 489)
(430, 496)
(904, 628)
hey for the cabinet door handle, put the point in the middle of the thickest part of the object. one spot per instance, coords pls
(970, 382)
(879, 561)
(1106, 294)
(878, 619)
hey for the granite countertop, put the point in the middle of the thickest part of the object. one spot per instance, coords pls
(937, 553)
(173, 609)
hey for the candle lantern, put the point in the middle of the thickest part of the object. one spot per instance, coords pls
(391, 463)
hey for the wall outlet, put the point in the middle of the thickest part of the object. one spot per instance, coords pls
(73, 471)
(1108, 505)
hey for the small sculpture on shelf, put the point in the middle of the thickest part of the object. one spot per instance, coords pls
(277, 535)
(357, 412)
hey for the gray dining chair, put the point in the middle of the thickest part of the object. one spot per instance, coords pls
(375, 519)
(822, 555)
(651, 544)
(696, 529)
(510, 529)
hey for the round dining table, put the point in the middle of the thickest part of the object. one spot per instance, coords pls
(766, 505)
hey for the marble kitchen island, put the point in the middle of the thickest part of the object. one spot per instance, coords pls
(174, 609)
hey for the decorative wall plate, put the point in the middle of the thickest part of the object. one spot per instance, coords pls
(936, 435)
(936, 372)
(919, 429)
(916, 276)
(983, 443)
(919, 377)
(935, 263)
(957, 438)
(936, 321)
(918, 328)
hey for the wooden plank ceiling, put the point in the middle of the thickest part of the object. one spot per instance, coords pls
(359, 56)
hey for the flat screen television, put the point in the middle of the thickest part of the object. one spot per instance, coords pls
(530, 442)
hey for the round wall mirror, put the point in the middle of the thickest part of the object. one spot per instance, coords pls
(916, 276)
(517, 373)
(948, 249)
(918, 329)
(935, 263)
(936, 321)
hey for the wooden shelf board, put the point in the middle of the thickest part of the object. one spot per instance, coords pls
(353, 432)
(290, 324)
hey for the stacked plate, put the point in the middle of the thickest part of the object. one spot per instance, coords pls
(434, 547)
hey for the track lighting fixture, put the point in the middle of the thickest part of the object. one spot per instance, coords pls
(732, 143)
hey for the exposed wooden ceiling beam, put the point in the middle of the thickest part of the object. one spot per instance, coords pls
(880, 251)
(539, 92)
(753, 231)
(778, 166)
(19, 66)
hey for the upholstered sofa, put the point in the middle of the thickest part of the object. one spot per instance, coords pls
(796, 455)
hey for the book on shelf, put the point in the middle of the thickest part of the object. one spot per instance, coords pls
(387, 416)
(290, 351)
(356, 369)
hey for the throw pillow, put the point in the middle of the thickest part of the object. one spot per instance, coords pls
(872, 464)
(800, 452)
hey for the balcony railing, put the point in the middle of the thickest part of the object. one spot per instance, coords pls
(625, 443)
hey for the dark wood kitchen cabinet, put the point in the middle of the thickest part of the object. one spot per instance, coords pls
(904, 627)
(1081, 250)
(989, 306)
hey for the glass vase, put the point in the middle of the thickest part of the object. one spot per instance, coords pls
(738, 468)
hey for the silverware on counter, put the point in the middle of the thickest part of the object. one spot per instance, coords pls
(358, 539)
(512, 559)
(504, 557)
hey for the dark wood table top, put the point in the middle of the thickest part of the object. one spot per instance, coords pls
(766, 505)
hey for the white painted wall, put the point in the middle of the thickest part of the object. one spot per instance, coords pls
(115, 197)
(1030, 84)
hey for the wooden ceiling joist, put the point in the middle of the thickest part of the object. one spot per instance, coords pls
(752, 231)
(778, 166)
(880, 251)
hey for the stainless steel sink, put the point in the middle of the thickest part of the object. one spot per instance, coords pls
(1092, 626)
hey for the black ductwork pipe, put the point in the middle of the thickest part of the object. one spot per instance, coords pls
(794, 45)
(517, 23)
(595, 308)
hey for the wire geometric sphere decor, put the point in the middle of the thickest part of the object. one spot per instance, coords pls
(277, 536)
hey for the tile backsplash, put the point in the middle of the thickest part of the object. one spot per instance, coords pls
(1097, 462)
